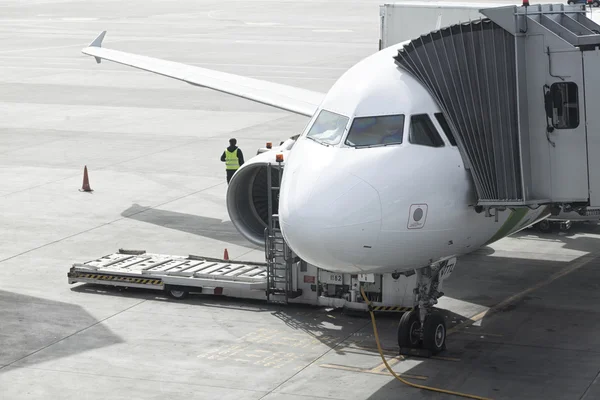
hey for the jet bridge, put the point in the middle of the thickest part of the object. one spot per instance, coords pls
(519, 89)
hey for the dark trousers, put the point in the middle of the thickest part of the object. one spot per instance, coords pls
(230, 173)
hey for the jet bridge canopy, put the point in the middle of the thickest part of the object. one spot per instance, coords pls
(518, 89)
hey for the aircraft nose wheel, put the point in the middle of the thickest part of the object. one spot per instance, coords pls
(409, 331)
(434, 333)
(432, 336)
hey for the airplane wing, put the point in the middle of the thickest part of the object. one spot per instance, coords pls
(289, 98)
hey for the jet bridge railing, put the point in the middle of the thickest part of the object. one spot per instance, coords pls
(519, 90)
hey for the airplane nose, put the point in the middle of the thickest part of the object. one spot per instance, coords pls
(330, 220)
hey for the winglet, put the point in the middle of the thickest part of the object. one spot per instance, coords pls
(98, 43)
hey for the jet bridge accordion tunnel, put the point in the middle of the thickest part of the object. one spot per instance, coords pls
(521, 92)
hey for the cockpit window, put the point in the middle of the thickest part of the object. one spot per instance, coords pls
(376, 131)
(423, 132)
(444, 124)
(328, 128)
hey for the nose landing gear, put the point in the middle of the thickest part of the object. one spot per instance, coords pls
(422, 331)
(422, 339)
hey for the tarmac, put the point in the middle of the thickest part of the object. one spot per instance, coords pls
(524, 309)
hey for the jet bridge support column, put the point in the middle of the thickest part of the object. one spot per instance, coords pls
(519, 91)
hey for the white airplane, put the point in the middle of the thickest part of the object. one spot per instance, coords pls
(374, 184)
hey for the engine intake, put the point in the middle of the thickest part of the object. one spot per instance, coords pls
(247, 197)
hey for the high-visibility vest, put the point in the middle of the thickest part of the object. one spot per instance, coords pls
(231, 160)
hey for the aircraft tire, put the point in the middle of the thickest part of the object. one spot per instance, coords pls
(408, 327)
(434, 333)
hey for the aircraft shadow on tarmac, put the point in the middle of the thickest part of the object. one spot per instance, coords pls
(31, 324)
(518, 351)
(327, 326)
(464, 284)
(212, 228)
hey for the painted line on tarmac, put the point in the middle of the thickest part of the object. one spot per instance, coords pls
(381, 367)
(482, 334)
(453, 359)
(370, 371)
(395, 359)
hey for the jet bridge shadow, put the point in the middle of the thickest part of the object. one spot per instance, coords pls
(34, 330)
(571, 237)
(583, 237)
(211, 228)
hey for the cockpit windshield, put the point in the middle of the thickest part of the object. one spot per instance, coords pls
(376, 131)
(328, 128)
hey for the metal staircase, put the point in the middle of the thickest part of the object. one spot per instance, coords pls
(280, 258)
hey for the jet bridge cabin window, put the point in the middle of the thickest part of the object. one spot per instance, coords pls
(376, 131)
(562, 105)
(328, 128)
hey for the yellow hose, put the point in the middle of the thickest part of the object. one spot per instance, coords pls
(469, 396)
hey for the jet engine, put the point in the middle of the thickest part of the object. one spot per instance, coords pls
(247, 194)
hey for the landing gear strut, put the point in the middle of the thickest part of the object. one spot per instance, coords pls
(422, 331)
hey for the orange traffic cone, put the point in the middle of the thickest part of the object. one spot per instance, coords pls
(226, 255)
(86, 182)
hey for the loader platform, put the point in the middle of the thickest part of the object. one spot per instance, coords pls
(136, 268)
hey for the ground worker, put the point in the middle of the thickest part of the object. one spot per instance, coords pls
(233, 158)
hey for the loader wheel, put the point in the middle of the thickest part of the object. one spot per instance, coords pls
(177, 294)
(544, 226)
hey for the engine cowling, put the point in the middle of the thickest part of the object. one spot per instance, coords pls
(247, 194)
